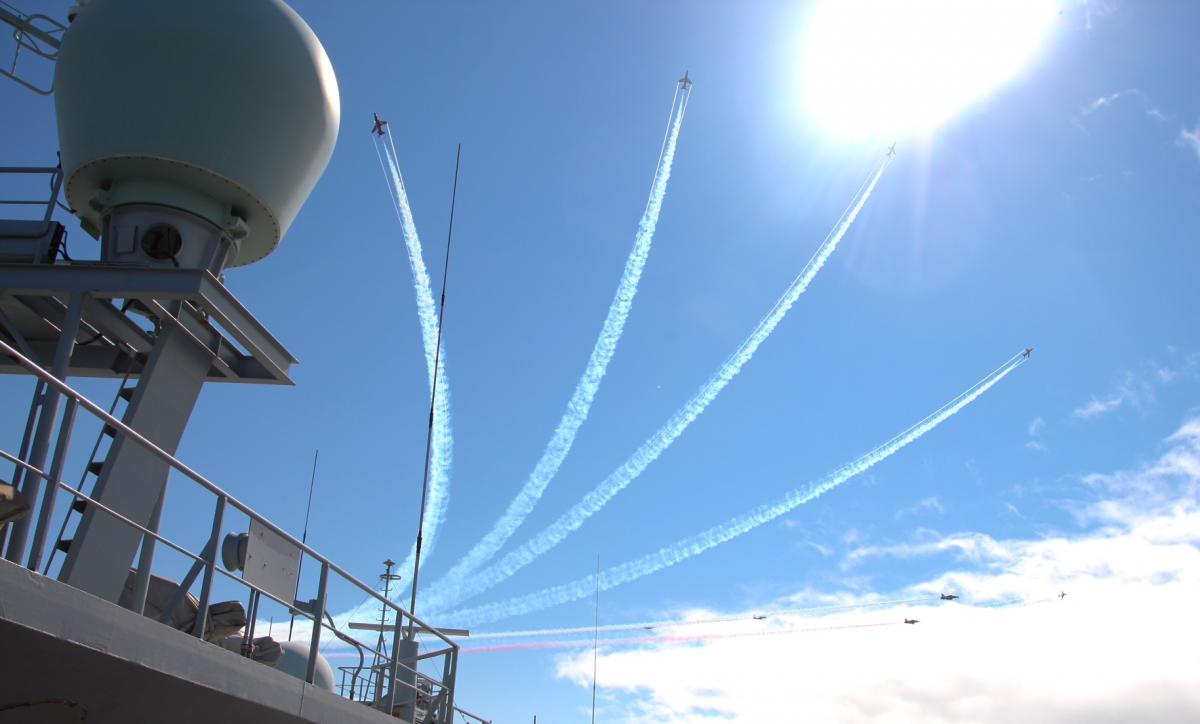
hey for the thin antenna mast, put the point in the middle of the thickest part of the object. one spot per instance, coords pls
(312, 481)
(596, 639)
(437, 359)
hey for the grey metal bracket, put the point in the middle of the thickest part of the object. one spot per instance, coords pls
(32, 299)
(34, 33)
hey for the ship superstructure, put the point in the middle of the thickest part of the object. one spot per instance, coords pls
(190, 135)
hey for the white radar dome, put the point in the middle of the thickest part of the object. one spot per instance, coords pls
(226, 109)
(294, 662)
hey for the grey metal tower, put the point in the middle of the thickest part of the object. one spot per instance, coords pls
(184, 162)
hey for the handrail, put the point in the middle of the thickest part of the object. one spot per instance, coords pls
(75, 492)
(56, 180)
(206, 561)
(20, 21)
(476, 717)
(65, 389)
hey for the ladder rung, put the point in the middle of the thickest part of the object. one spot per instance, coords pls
(126, 393)
(109, 430)
(95, 467)
(64, 544)
(78, 505)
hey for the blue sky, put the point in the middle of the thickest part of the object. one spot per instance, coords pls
(1058, 211)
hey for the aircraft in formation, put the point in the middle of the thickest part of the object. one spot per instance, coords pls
(911, 621)
(892, 150)
(949, 596)
(1028, 351)
(1062, 595)
(380, 125)
(760, 617)
(685, 82)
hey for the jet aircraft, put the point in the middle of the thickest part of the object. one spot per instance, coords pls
(685, 82)
(760, 617)
(1028, 351)
(911, 620)
(1062, 595)
(892, 150)
(949, 596)
(380, 124)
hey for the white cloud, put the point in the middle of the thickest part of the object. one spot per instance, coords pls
(825, 551)
(1108, 100)
(1191, 139)
(1036, 426)
(1096, 408)
(1138, 389)
(1120, 647)
(926, 505)
(1135, 390)
(1103, 102)
(1035, 442)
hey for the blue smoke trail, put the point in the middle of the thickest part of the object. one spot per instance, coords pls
(697, 544)
(443, 436)
(668, 433)
(585, 391)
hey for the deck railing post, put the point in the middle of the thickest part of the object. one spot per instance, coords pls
(141, 581)
(51, 496)
(392, 672)
(210, 564)
(31, 485)
(318, 616)
(449, 674)
(55, 187)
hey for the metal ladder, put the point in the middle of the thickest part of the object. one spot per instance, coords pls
(94, 465)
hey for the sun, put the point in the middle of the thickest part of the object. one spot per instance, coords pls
(902, 68)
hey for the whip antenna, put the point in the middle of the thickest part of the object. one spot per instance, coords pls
(437, 359)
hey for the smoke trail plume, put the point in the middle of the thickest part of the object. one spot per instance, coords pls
(443, 437)
(610, 628)
(679, 623)
(588, 385)
(668, 433)
(697, 544)
(678, 639)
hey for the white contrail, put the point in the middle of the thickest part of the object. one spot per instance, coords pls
(442, 449)
(679, 623)
(697, 544)
(612, 628)
(668, 433)
(585, 391)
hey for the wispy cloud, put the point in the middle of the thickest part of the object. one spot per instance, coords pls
(1035, 441)
(1135, 390)
(968, 660)
(1109, 100)
(1096, 9)
(1095, 408)
(1191, 139)
(921, 507)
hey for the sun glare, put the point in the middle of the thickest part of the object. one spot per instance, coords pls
(874, 67)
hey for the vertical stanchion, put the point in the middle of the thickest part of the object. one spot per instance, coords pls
(141, 581)
(56, 465)
(392, 665)
(31, 484)
(318, 616)
(210, 564)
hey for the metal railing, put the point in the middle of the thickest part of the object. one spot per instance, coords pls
(469, 717)
(56, 179)
(35, 33)
(400, 676)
